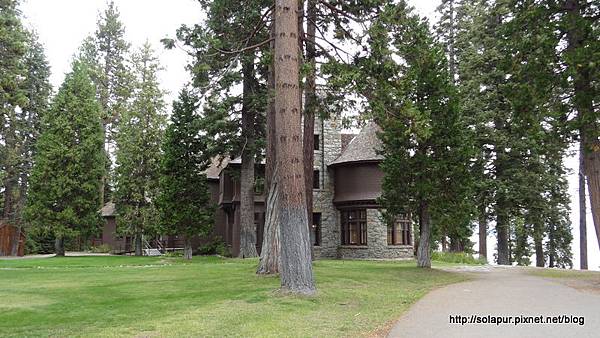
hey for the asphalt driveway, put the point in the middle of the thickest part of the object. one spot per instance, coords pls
(503, 294)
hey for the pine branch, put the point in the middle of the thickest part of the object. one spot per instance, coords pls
(245, 49)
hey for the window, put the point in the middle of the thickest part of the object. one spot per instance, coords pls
(354, 227)
(316, 142)
(315, 229)
(316, 180)
(399, 231)
(259, 185)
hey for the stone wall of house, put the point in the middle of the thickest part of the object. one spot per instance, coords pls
(330, 149)
(377, 247)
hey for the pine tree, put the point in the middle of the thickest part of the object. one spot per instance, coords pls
(65, 180)
(223, 61)
(141, 130)
(184, 202)
(13, 48)
(107, 55)
(296, 268)
(522, 247)
(37, 89)
(426, 152)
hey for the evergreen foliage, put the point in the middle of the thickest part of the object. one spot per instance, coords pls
(426, 150)
(185, 201)
(65, 180)
(141, 131)
(106, 53)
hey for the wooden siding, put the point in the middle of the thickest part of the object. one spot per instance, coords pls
(8, 236)
(356, 182)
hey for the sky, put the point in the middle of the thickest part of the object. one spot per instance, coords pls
(63, 24)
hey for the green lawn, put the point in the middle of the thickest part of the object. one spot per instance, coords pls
(143, 296)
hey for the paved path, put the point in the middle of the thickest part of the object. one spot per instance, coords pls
(501, 292)
(68, 254)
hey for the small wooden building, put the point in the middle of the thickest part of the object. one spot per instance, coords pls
(12, 240)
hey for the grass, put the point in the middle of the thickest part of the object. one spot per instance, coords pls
(567, 274)
(582, 280)
(210, 296)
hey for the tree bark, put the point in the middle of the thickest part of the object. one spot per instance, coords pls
(593, 181)
(482, 233)
(538, 237)
(502, 234)
(247, 225)
(138, 243)
(502, 205)
(187, 247)
(309, 113)
(270, 254)
(577, 38)
(270, 258)
(59, 246)
(583, 261)
(423, 252)
(455, 244)
(296, 266)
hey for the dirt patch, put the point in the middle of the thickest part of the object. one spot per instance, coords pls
(585, 285)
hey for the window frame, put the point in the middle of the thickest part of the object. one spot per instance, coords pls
(316, 179)
(354, 220)
(400, 227)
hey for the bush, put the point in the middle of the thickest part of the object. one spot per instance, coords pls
(102, 248)
(39, 242)
(457, 257)
(216, 246)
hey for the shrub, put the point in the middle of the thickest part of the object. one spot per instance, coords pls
(456, 257)
(216, 246)
(39, 242)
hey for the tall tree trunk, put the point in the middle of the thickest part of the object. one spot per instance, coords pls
(187, 247)
(296, 266)
(593, 180)
(423, 255)
(538, 237)
(502, 233)
(444, 243)
(309, 112)
(583, 261)
(248, 227)
(270, 254)
(270, 258)
(59, 246)
(482, 233)
(578, 35)
(502, 206)
(138, 243)
(455, 244)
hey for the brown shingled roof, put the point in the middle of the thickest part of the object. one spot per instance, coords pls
(108, 210)
(217, 164)
(363, 147)
(346, 139)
